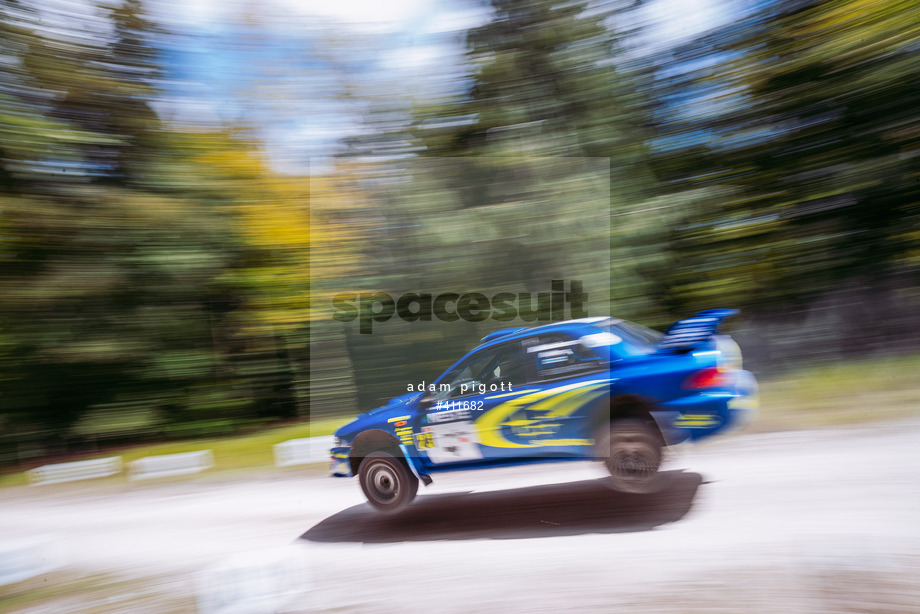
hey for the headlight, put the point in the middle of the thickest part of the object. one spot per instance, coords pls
(336, 442)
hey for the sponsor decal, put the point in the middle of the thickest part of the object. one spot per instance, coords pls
(697, 421)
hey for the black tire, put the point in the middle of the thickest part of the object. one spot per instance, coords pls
(632, 451)
(387, 482)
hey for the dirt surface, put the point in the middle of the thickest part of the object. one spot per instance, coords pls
(807, 521)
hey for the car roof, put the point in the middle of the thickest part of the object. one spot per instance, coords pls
(575, 327)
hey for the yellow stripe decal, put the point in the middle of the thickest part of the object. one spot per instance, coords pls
(511, 394)
(558, 402)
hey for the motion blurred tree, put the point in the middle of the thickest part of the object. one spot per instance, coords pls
(550, 78)
(806, 121)
(29, 137)
(499, 180)
(554, 79)
(151, 278)
(103, 85)
(288, 246)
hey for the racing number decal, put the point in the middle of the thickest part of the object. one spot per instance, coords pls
(450, 442)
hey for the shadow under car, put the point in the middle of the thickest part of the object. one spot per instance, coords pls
(572, 508)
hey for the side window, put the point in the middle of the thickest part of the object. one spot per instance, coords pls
(556, 355)
(484, 371)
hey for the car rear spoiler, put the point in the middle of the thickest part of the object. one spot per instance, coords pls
(686, 334)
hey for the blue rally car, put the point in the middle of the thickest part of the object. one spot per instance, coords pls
(594, 388)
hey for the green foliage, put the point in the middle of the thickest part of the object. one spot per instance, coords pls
(549, 79)
(811, 112)
(132, 253)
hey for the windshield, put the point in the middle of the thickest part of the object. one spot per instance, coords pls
(637, 340)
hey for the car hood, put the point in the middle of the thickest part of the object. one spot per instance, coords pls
(395, 402)
(365, 420)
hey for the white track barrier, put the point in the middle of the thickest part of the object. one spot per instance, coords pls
(302, 451)
(27, 558)
(272, 580)
(170, 464)
(78, 470)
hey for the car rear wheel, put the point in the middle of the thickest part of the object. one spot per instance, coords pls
(387, 482)
(632, 451)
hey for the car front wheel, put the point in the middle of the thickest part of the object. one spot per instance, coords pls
(387, 482)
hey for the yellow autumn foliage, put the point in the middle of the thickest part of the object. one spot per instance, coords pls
(290, 222)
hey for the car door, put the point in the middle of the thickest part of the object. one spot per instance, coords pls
(448, 432)
(565, 384)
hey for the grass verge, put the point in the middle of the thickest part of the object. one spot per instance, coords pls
(841, 393)
(241, 452)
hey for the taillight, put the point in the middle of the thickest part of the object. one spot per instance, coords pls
(710, 377)
(730, 353)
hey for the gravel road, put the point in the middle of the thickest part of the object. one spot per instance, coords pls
(807, 521)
